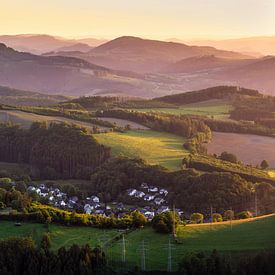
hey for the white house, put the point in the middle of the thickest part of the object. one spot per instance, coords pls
(88, 208)
(95, 198)
(131, 192)
(163, 192)
(149, 214)
(139, 194)
(51, 198)
(31, 189)
(62, 203)
(162, 209)
(153, 189)
(149, 197)
(159, 201)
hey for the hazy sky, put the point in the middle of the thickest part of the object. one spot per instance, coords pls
(149, 18)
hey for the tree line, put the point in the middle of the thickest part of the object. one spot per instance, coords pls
(184, 125)
(55, 151)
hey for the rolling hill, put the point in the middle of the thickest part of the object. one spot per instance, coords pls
(257, 46)
(41, 43)
(203, 63)
(61, 75)
(15, 97)
(144, 55)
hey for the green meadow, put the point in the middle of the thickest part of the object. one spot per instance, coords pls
(245, 236)
(216, 108)
(154, 147)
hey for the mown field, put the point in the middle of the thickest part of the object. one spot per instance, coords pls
(246, 236)
(154, 147)
(218, 109)
(26, 119)
(250, 149)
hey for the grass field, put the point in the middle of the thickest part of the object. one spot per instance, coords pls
(216, 108)
(154, 147)
(271, 172)
(246, 236)
(60, 235)
(26, 119)
(250, 149)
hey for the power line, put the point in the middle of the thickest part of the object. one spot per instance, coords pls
(143, 249)
(169, 247)
(256, 204)
(123, 249)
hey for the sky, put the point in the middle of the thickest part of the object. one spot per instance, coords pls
(188, 19)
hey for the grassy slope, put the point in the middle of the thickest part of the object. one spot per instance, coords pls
(26, 119)
(246, 235)
(217, 108)
(271, 173)
(154, 147)
(60, 235)
(250, 236)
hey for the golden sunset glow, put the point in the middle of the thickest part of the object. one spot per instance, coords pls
(148, 18)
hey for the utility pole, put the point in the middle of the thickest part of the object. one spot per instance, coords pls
(169, 249)
(231, 214)
(174, 222)
(256, 204)
(211, 216)
(169, 264)
(123, 251)
(143, 250)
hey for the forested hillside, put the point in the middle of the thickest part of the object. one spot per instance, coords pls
(54, 151)
(219, 92)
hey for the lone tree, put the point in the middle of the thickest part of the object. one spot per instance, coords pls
(165, 222)
(264, 164)
(217, 217)
(197, 218)
(228, 157)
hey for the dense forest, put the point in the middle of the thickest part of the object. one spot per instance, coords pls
(22, 256)
(219, 92)
(54, 151)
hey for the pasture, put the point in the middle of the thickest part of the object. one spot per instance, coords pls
(154, 147)
(250, 149)
(218, 109)
(26, 119)
(252, 235)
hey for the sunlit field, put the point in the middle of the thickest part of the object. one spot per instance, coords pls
(212, 108)
(154, 147)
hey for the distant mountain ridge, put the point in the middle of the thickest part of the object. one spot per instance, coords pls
(146, 56)
(41, 43)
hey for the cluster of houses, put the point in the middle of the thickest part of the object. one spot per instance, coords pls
(154, 197)
(149, 193)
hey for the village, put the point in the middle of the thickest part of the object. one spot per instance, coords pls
(147, 199)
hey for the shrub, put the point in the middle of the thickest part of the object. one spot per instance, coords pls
(197, 218)
(217, 217)
(244, 215)
(228, 214)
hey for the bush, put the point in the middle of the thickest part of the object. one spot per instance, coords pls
(244, 215)
(228, 215)
(217, 217)
(197, 218)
